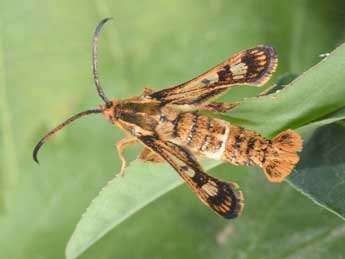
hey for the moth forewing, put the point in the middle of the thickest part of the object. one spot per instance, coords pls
(248, 67)
(222, 197)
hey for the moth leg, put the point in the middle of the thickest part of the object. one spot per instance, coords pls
(219, 107)
(147, 155)
(120, 148)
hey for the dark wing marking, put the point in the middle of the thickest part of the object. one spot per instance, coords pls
(222, 197)
(218, 107)
(248, 67)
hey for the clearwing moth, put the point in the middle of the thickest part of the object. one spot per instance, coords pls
(171, 126)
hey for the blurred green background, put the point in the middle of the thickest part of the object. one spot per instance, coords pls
(45, 76)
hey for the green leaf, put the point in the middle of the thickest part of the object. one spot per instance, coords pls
(320, 174)
(119, 199)
(308, 129)
(287, 106)
(277, 222)
(282, 82)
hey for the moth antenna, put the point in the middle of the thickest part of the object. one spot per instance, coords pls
(95, 63)
(59, 127)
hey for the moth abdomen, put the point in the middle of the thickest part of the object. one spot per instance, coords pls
(217, 139)
(277, 157)
(244, 147)
(202, 134)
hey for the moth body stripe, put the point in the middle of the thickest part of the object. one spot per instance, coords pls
(193, 129)
(238, 140)
(175, 123)
(250, 147)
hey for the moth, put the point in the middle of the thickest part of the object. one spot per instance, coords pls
(171, 125)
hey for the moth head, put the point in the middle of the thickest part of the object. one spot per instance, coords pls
(110, 110)
(105, 109)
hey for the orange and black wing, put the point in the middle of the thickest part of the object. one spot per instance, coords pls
(222, 197)
(248, 67)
